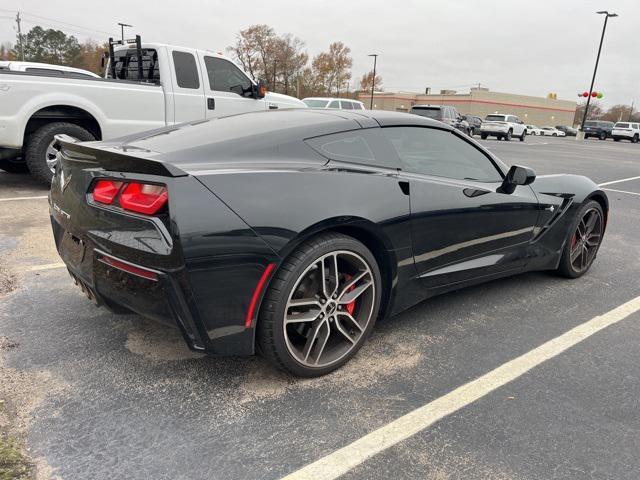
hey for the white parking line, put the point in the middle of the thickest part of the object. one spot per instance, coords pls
(13, 199)
(47, 266)
(341, 461)
(620, 191)
(618, 181)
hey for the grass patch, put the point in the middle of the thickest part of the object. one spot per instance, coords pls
(13, 464)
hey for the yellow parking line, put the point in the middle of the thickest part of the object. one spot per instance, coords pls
(341, 461)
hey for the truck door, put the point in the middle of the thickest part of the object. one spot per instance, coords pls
(188, 92)
(227, 89)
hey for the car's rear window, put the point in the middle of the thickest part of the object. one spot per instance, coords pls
(495, 118)
(316, 103)
(622, 125)
(429, 112)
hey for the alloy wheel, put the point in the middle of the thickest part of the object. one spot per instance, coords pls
(329, 309)
(586, 240)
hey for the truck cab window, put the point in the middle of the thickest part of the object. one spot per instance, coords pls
(186, 70)
(126, 63)
(224, 76)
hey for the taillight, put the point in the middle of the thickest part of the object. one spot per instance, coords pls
(133, 196)
(143, 198)
(105, 191)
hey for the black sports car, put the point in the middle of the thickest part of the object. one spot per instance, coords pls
(291, 232)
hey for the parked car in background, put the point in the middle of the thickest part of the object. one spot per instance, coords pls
(626, 131)
(442, 113)
(503, 127)
(533, 130)
(552, 132)
(597, 128)
(337, 103)
(45, 68)
(474, 124)
(148, 85)
(569, 131)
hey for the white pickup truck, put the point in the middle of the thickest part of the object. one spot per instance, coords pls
(172, 85)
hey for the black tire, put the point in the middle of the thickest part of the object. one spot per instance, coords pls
(507, 137)
(11, 165)
(602, 136)
(565, 267)
(635, 138)
(555, 135)
(37, 143)
(270, 333)
(483, 136)
(523, 136)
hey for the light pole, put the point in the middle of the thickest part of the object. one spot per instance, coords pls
(595, 69)
(122, 25)
(373, 80)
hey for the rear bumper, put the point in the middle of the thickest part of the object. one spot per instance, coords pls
(159, 298)
(167, 298)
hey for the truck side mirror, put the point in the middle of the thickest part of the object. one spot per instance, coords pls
(516, 175)
(260, 90)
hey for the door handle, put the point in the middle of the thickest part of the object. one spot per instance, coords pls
(211, 103)
(273, 106)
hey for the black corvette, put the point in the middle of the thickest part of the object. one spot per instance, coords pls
(291, 232)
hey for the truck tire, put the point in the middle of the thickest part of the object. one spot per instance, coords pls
(38, 147)
(523, 136)
(507, 137)
(635, 138)
(483, 136)
(602, 136)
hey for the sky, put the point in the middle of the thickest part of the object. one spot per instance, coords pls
(524, 47)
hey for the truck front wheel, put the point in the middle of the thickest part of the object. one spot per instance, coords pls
(40, 154)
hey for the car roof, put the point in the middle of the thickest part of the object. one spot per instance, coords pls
(265, 127)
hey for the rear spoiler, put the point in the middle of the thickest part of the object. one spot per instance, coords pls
(116, 158)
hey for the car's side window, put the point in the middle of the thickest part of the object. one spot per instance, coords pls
(442, 153)
(346, 105)
(224, 76)
(186, 70)
(358, 106)
(366, 146)
(334, 104)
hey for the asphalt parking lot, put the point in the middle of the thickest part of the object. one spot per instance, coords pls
(99, 396)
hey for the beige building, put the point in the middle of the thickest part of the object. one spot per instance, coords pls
(481, 102)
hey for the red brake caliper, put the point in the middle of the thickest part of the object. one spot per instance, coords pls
(351, 306)
(573, 241)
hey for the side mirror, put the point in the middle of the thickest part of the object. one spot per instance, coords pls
(516, 175)
(260, 90)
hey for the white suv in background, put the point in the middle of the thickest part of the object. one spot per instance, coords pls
(552, 132)
(46, 68)
(503, 127)
(533, 130)
(627, 131)
(329, 102)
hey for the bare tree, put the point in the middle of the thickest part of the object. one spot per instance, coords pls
(367, 80)
(290, 60)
